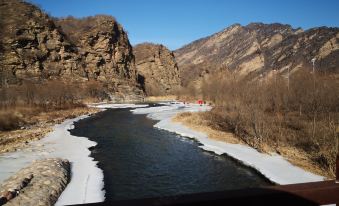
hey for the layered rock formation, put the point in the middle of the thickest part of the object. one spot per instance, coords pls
(105, 49)
(257, 49)
(103, 44)
(157, 68)
(32, 48)
(36, 47)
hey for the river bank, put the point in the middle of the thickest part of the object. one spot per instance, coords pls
(40, 125)
(200, 122)
(272, 166)
(87, 179)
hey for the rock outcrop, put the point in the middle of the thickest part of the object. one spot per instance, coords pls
(32, 47)
(104, 46)
(107, 53)
(41, 183)
(36, 47)
(258, 49)
(157, 69)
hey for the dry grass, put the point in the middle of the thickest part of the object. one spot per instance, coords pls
(198, 122)
(201, 122)
(161, 98)
(18, 139)
(302, 159)
(10, 120)
(36, 126)
(29, 110)
(271, 114)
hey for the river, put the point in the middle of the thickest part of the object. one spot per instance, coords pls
(140, 161)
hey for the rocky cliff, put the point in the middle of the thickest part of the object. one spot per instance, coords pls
(157, 68)
(32, 47)
(258, 49)
(36, 47)
(105, 50)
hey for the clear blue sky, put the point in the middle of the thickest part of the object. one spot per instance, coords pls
(178, 22)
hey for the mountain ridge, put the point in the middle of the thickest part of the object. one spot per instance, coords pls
(258, 48)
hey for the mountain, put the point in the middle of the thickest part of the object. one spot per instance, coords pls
(32, 47)
(258, 49)
(105, 50)
(157, 68)
(36, 48)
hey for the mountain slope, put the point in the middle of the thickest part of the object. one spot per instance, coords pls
(258, 49)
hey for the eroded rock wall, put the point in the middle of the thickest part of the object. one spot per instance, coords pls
(157, 68)
(36, 48)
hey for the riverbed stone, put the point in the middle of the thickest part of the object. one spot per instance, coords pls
(41, 183)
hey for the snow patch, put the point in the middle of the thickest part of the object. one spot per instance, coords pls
(273, 166)
(86, 184)
(116, 106)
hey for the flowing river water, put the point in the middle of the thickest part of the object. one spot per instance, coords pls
(141, 161)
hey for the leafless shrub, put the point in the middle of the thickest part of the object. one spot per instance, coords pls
(303, 114)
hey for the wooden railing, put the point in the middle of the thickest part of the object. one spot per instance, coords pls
(316, 193)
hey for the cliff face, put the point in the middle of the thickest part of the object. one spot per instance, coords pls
(36, 47)
(32, 48)
(104, 46)
(257, 49)
(105, 50)
(157, 69)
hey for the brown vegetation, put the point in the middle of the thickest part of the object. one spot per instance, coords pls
(160, 98)
(29, 111)
(271, 114)
(201, 121)
(20, 104)
(39, 125)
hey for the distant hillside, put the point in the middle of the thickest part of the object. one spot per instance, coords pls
(157, 68)
(258, 49)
